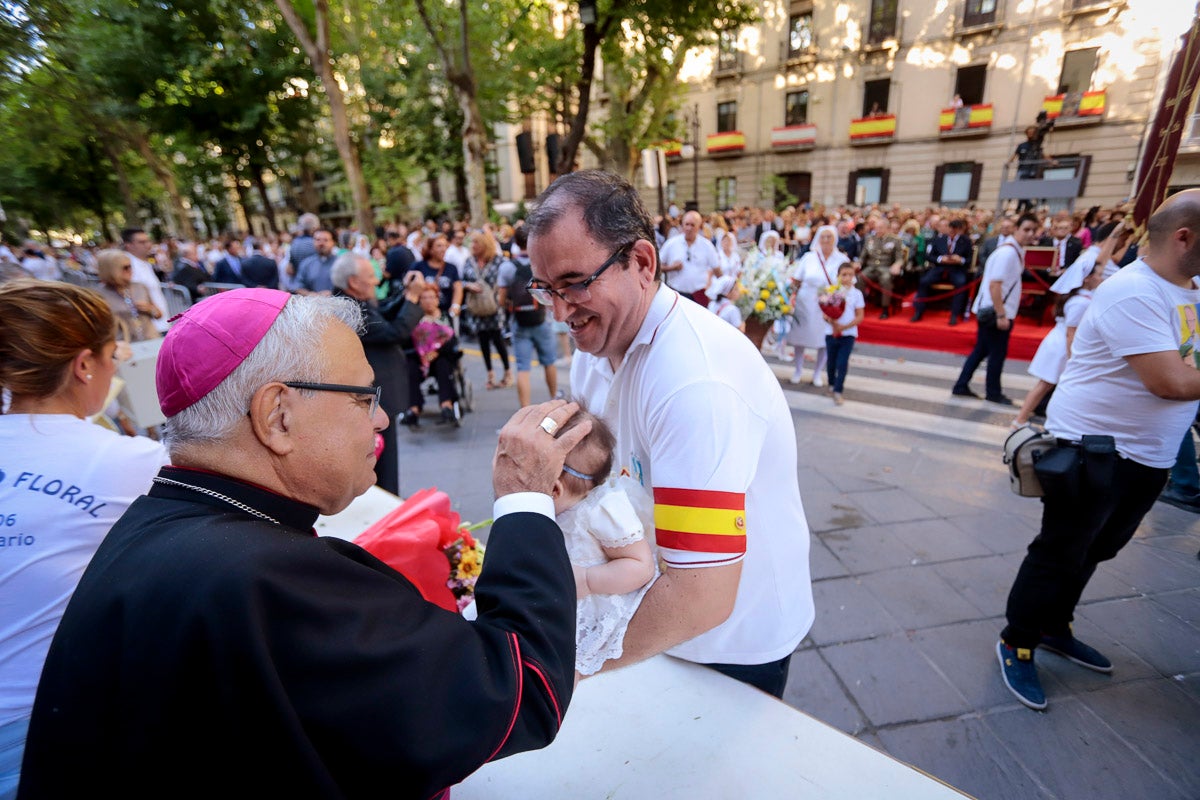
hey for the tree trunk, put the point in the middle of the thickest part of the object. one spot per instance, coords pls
(592, 36)
(114, 157)
(474, 132)
(241, 197)
(318, 55)
(182, 223)
(256, 175)
(310, 199)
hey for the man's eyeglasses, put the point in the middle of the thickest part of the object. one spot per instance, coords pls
(374, 392)
(575, 293)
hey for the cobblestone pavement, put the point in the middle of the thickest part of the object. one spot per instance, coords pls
(915, 539)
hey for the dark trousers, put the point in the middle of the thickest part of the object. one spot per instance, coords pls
(943, 274)
(770, 678)
(1079, 530)
(837, 350)
(489, 338)
(990, 343)
(441, 369)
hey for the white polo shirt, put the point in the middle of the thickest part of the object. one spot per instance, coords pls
(702, 421)
(1006, 264)
(144, 274)
(698, 259)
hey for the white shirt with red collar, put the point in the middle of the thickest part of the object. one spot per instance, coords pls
(702, 421)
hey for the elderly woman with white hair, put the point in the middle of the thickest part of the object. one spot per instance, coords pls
(814, 273)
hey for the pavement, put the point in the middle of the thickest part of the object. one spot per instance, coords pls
(915, 540)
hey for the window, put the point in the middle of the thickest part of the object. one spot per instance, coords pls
(969, 83)
(800, 34)
(796, 110)
(726, 117)
(956, 184)
(882, 23)
(797, 186)
(979, 12)
(726, 192)
(875, 97)
(1077, 69)
(868, 186)
(728, 57)
(672, 192)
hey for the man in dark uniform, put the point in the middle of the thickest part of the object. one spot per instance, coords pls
(883, 260)
(215, 645)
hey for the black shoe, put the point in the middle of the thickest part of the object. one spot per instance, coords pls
(963, 393)
(410, 419)
(884, 315)
(953, 320)
(447, 416)
(1180, 500)
(1001, 400)
(917, 316)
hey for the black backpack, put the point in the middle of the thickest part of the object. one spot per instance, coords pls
(526, 311)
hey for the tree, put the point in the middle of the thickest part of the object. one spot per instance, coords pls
(319, 56)
(643, 46)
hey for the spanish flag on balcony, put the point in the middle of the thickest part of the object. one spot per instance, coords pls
(671, 148)
(1091, 104)
(978, 116)
(700, 521)
(883, 127)
(727, 142)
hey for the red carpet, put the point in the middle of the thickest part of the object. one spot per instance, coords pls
(934, 333)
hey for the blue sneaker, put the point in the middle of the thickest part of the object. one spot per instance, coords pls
(1074, 650)
(1020, 675)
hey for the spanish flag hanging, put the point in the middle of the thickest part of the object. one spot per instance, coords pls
(700, 521)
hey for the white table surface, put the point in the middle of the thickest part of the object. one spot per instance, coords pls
(667, 729)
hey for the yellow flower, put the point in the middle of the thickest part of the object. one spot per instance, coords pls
(760, 306)
(770, 284)
(786, 308)
(469, 569)
(764, 294)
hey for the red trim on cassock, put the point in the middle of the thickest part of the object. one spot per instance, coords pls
(699, 498)
(537, 670)
(515, 652)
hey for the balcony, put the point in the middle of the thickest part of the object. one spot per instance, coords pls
(1076, 108)
(1048, 180)
(973, 120)
(879, 129)
(726, 143)
(794, 137)
(1078, 8)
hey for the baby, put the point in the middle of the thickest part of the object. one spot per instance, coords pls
(604, 522)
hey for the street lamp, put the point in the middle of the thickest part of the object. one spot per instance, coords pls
(691, 149)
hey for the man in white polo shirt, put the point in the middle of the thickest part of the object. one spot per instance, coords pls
(688, 261)
(995, 309)
(700, 420)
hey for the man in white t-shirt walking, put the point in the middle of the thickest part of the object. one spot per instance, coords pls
(700, 421)
(688, 261)
(999, 291)
(136, 242)
(1131, 385)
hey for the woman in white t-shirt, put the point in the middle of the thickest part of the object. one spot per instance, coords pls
(64, 480)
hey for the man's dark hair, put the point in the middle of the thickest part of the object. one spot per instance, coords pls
(958, 224)
(127, 234)
(1030, 218)
(1104, 231)
(521, 237)
(612, 210)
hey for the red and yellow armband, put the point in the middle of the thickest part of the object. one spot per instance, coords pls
(699, 521)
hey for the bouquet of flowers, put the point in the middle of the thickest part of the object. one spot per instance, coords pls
(832, 302)
(763, 282)
(428, 337)
(427, 543)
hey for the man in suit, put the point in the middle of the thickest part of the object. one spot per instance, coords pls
(1004, 230)
(949, 260)
(229, 268)
(850, 239)
(260, 271)
(399, 261)
(1069, 247)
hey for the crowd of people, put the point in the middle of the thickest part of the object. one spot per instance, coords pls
(229, 644)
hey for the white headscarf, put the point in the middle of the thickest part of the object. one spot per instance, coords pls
(720, 286)
(762, 242)
(816, 239)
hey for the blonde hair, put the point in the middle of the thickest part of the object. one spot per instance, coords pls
(489, 246)
(109, 263)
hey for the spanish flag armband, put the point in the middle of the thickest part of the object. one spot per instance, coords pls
(699, 521)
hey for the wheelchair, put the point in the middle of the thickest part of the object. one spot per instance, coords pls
(462, 385)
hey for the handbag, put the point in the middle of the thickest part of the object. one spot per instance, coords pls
(482, 303)
(1023, 449)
